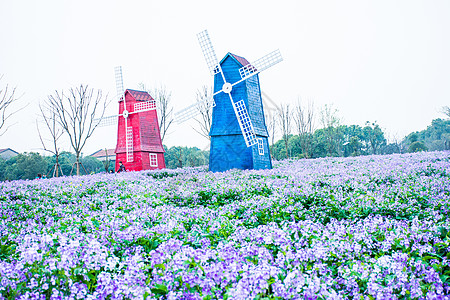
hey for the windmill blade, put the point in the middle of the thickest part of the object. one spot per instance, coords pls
(193, 110)
(261, 64)
(244, 122)
(144, 106)
(208, 52)
(119, 81)
(129, 144)
(106, 121)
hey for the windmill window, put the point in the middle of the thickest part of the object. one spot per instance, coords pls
(153, 160)
(261, 146)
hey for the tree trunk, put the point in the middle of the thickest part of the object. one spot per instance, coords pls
(78, 164)
(57, 166)
(286, 141)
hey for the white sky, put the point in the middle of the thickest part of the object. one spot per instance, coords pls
(386, 61)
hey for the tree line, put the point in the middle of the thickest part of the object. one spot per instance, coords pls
(300, 137)
(305, 132)
(30, 165)
(341, 140)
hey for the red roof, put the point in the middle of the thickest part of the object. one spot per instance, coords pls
(102, 153)
(240, 59)
(140, 95)
(6, 149)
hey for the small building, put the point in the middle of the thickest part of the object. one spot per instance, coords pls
(105, 154)
(7, 153)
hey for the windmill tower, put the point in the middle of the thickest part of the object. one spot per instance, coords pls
(238, 130)
(139, 145)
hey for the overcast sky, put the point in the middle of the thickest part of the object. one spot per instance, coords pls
(386, 61)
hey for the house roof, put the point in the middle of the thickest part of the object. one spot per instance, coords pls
(102, 153)
(241, 60)
(140, 95)
(6, 149)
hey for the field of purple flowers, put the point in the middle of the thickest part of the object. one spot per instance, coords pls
(373, 227)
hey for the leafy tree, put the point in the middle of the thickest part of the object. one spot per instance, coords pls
(24, 166)
(66, 161)
(2, 169)
(435, 137)
(374, 137)
(178, 157)
(92, 164)
(417, 146)
(391, 148)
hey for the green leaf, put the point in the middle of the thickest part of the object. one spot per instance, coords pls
(159, 289)
(160, 266)
(146, 294)
(95, 223)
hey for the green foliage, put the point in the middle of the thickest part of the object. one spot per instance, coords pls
(29, 165)
(23, 166)
(435, 138)
(66, 161)
(417, 146)
(343, 140)
(92, 164)
(179, 157)
(161, 175)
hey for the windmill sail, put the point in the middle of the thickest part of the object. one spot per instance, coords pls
(144, 106)
(194, 109)
(119, 81)
(244, 123)
(106, 121)
(208, 52)
(261, 64)
(129, 144)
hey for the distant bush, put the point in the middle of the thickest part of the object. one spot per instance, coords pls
(417, 146)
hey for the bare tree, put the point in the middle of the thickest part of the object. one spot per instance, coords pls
(75, 112)
(179, 156)
(446, 111)
(272, 129)
(330, 121)
(285, 120)
(7, 98)
(50, 116)
(304, 119)
(106, 162)
(204, 107)
(164, 108)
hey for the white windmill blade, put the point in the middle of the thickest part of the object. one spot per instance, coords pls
(119, 81)
(129, 144)
(106, 121)
(261, 64)
(144, 106)
(193, 110)
(208, 52)
(244, 122)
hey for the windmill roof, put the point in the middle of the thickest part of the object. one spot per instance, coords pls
(140, 95)
(241, 60)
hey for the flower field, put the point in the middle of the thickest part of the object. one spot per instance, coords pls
(372, 227)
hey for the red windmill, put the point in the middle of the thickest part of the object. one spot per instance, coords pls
(139, 145)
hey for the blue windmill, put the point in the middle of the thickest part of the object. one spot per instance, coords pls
(238, 130)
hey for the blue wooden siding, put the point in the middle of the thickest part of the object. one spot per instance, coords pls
(228, 149)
